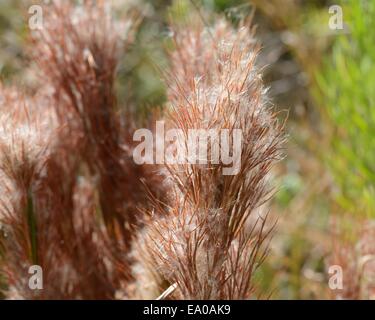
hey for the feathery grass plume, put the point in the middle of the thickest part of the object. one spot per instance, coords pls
(202, 243)
(89, 270)
(28, 233)
(38, 168)
(47, 217)
(77, 52)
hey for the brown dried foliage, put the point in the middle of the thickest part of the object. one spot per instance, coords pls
(77, 51)
(201, 241)
(74, 201)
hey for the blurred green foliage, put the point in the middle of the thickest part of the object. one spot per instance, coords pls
(346, 82)
(13, 31)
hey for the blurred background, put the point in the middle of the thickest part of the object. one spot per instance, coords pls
(323, 80)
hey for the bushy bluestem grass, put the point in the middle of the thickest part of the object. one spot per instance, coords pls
(74, 201)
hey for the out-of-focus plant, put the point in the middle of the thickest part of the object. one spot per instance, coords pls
(13, 32)
(346, 93)
(294, 35)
